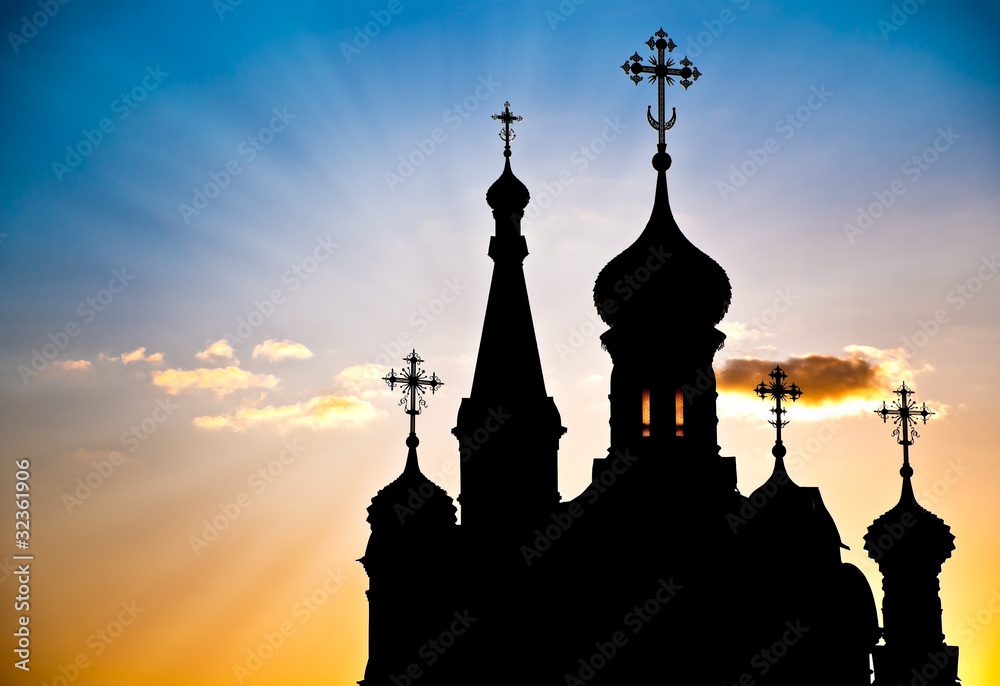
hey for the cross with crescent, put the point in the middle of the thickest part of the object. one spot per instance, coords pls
(778, 391)
(507, 134)
(413, 381)
(662, 72)
(903, 412)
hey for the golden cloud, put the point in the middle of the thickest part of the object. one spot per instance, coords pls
(220, 350)
(321, 412)
(832, 385)
(361, 378)
(220, 380)
(72, 365)
(137, 355)
(280, 350)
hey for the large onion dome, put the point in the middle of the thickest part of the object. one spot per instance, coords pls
(662, 275)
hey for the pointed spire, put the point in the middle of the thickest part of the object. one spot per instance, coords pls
(412, 467)
(508, 328)
(508, 402)
(906, 496)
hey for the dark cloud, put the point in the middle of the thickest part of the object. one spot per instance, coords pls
(823, 379)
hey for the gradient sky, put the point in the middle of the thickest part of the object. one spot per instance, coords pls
(352, 218)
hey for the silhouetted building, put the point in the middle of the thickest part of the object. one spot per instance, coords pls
(910, 544)
(661, 571)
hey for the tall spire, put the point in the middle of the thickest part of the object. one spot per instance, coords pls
(508, 428)
(508, 329)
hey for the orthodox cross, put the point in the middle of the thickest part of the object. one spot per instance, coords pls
(661, 71)
(507, 134)
(413, 381)
(778, 391)
(903, 412)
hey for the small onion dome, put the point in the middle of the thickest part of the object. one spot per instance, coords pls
(662, 274)
(412, 499)
(908, 534)
(508, 193)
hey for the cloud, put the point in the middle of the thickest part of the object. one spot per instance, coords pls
(363, 379)
(832, 385)
(280, 350)
(737, 332)
(137, 355)
(72, 365)
(220, 380)
(347, 406)
(321, 412)
(217, 352)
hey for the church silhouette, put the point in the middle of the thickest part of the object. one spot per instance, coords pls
(661, 571)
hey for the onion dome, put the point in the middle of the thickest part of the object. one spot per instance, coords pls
(662, 274)
(412, 499)
(908, 535)
(508, 193)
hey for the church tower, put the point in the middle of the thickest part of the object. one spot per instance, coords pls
(910, 544)
(508, 428)
(662, 298)
(410, 555)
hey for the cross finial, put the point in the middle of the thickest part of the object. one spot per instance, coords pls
(904, 412)
(507, 134)
(661, 70)
(778, 391)
(414, 381)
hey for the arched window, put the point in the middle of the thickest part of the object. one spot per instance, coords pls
(679, 412)
(645, 412)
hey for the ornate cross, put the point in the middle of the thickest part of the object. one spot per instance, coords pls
(778, 391)
(413, 382)
(903, 412)
(507, 134)
(661, 71)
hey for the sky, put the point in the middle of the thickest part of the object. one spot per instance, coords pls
(221, 223)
